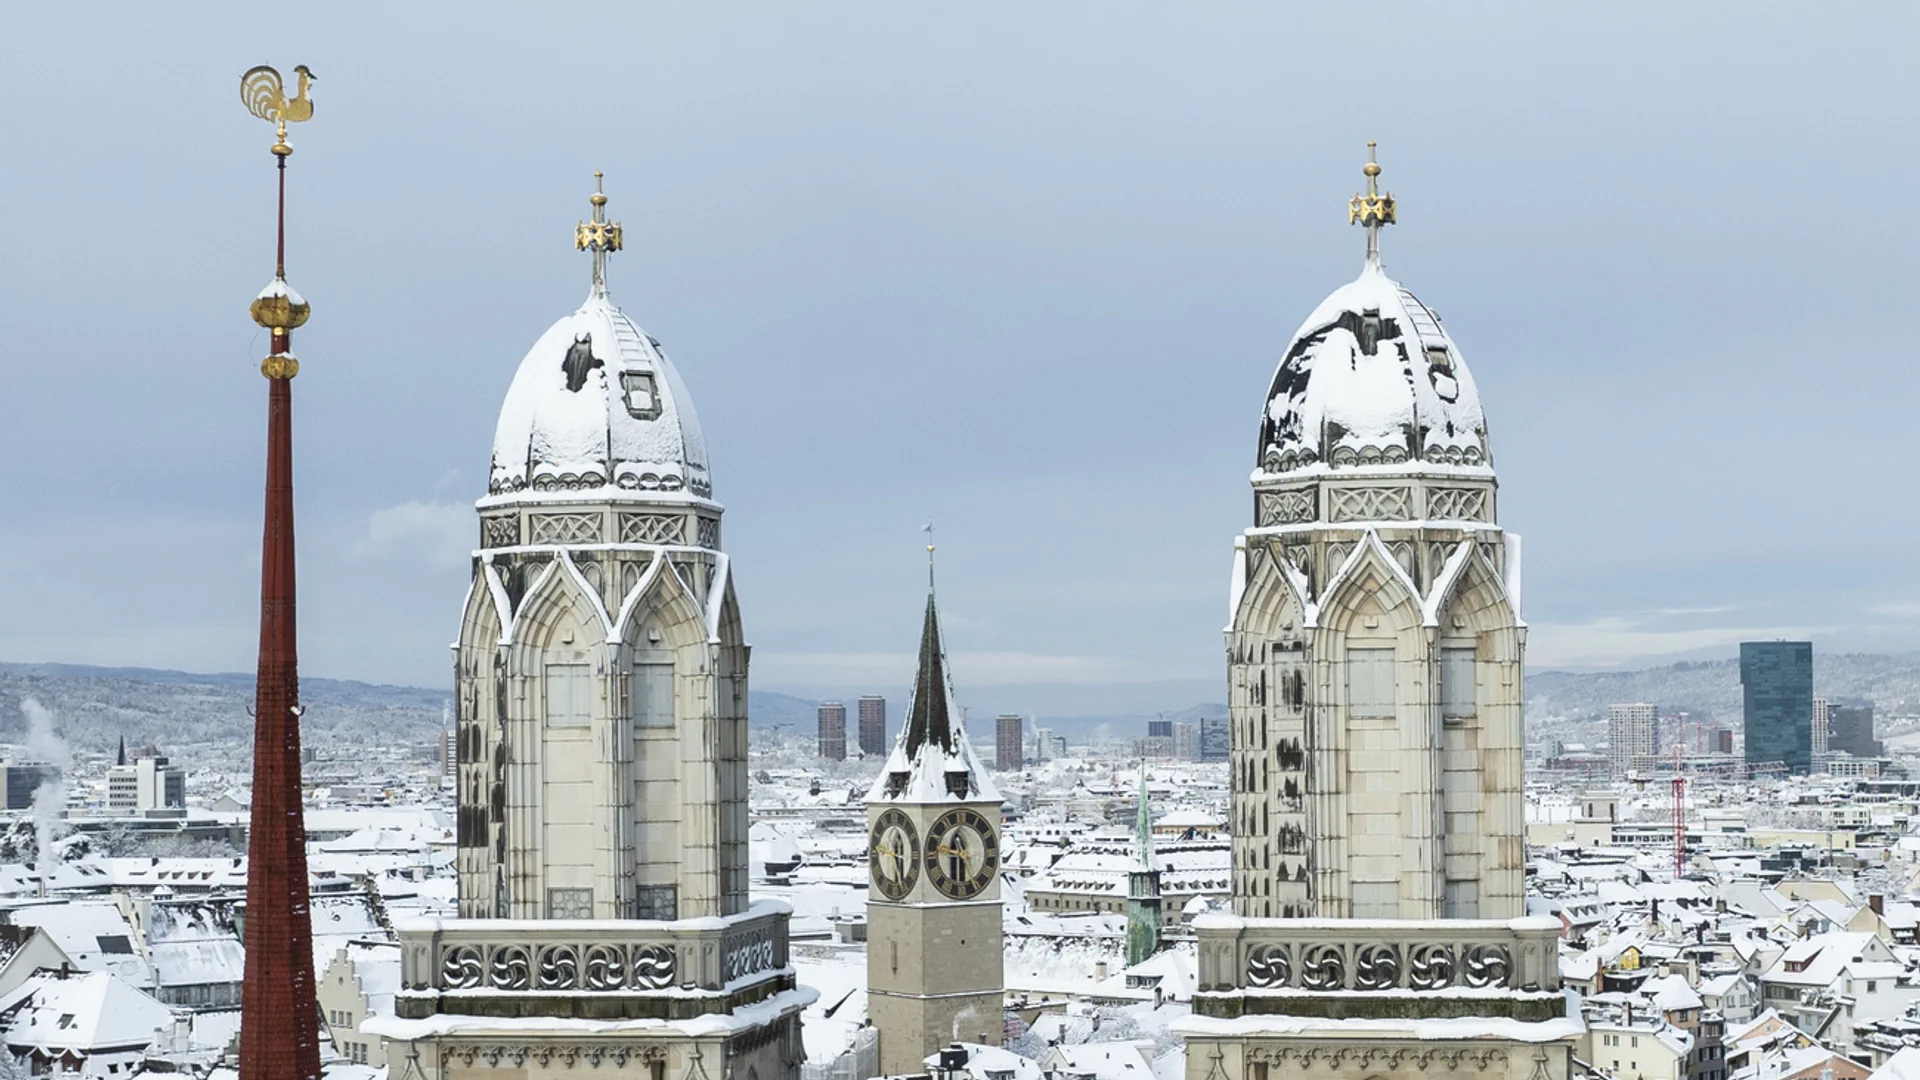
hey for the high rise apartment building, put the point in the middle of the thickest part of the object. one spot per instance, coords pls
(873, 725)
(1776, 682)
(1007, 742)
(833, 731)
(1633, 738)
(1822, 730)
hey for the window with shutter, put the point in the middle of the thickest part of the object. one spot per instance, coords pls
(569, 695)
(1458, 696)
(1370, 691)
(652, 695)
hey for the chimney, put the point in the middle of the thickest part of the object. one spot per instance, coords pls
(1100, 971)
(1878, 902)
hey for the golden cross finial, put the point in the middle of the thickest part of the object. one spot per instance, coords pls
(1372, 209)
(597, 235)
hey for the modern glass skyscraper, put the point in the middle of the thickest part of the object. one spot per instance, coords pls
(1776, 678)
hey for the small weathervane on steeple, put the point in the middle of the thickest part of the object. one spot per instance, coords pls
(597, 235)
(928, 529)
(1372, 209)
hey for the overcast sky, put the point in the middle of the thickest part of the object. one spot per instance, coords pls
(1024, 270)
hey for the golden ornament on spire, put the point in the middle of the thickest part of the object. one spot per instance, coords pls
(597, 235)
(1372, 209)
(266, 97)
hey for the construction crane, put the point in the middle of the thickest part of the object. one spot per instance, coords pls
(1679, 817)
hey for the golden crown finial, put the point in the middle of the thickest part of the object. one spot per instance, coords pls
(1371, 209)
(598, 235)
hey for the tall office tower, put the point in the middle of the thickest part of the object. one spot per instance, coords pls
(1160, 729)
(1822, 732)
(1006, 742)
(934, 973)
(1375, 659)
(1215, 743)
(1776, 682)
(833, 731)
(873, 725)
(1633, 738)
(1186, 741)
(1853, 731)
(601, 705)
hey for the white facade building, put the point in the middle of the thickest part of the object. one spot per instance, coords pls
(602, 748)
(148, 783)
(1375, 653)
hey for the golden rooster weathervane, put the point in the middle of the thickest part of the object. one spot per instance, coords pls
(266, 97)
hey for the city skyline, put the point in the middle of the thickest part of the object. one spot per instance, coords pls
(1070, 227)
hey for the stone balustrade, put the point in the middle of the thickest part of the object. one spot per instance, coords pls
(559, 967)
(1242, 961)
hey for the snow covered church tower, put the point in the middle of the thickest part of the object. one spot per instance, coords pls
(602, 743)
(1374, 664)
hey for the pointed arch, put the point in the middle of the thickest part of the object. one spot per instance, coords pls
(1275, 594)
(1371, 581)
(1470, 590)
(558, 597)
(662, 602)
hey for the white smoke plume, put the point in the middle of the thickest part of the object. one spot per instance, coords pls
(50, 798)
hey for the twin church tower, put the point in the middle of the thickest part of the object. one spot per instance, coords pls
(1374, 659)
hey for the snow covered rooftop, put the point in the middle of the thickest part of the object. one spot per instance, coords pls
(1372, 379)
(596, 406)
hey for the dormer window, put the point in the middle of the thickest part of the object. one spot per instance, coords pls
(643, 403)
(896, 783)
(1438, 359)
(958, 783)
(1369, 330)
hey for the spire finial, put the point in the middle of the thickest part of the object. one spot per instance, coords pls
(928, 529)
(279, 309)
(1372, 209)
(598, 235)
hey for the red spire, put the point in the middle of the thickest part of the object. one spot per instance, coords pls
(279, 1017)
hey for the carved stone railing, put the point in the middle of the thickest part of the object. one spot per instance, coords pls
(590, 967)
(1366, 967)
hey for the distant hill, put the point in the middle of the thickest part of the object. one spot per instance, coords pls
(1711, 689)
(93, 707)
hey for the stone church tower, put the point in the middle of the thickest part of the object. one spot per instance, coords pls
(602, 745)
(1374, 667)
(934, 973)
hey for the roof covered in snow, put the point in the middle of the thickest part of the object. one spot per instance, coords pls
(596, 406)
(932, 761)
(1371, 379)
(91, 1012)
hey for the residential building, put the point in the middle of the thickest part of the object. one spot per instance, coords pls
(1776, 681)
(1633, 739)
(873, 725)
(1007, 742)
(833, 731)
(1821, 730)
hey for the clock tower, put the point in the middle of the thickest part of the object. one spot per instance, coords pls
(933, 899)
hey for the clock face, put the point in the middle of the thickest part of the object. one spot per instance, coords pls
(891, 848)
(962, 854)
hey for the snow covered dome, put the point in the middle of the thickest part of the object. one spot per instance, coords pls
(596, 406)
(1371, 378)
